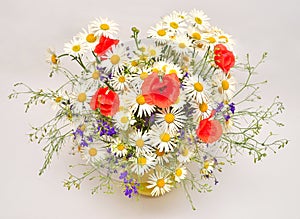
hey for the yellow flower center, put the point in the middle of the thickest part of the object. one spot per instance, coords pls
(54, 59)
(196, 36)
(134, 63)
(155, 70)
(140, 99)
(206, 164)
(169, 118)
(161, 32)
(120, 147)
(174, 25)
(203, 107)
(76, 48)
(185, 152)
(160, 183)
(140, 143)
(225, 85)
(58, 99)
(142, 49)
(124, 119)
(164, 68)
(178, 172)
(96, 75)
(104, 27)
(83, 127)
(143, 75)
(152, 52)
(90, 38)
(165, 137)
(92, 152)
(122, 79)
(181, 45)
(115, 59)
(222, 37)
(81, 97)
(172, 71)
(198, 87)
(142, 161)
(160, 153)
(211, 39)
(198, 20)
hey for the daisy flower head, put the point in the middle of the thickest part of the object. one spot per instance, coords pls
(174, 69)
(208, 167)
(141, 142)
(123, 119)
(137, 104)
(181, 14)
(201, 110)
(199, 19)
(172, 120)
(180, 173)
(119, 148)
(224, 85)
(223, 37)
(52, 59)
(143, 163)
(120, 81)
(153, 51)
(162, 139)
(90, 39)
(195, 88)
(174, 23)
(93, 152)
(211, 39)
(59, 98)
(103, 26)
(140, 76)
(182, 45)
(162, 157)
(160, 183)
(76, 47)
(185, 154)
(195, 33)
(115, 59)
(159, 33)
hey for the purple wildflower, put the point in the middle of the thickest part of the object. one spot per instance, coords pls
(232, 107)
(220, 107)
(226, 117)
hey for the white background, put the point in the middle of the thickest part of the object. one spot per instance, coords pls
(269, 189)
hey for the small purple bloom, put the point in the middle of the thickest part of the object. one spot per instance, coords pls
(232, 107)
(220, 107)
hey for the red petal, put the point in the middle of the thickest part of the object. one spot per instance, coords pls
(104, 44)
(209, 131)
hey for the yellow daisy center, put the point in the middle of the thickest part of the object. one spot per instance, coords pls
(206, 164)
(104, 27)
(198, 87)
(174, 25)
(169, 118)
(58, 99)
(96, 75)
(90, 38)
(140, 99)
(83, 127)
(160, 153)
(142, 161)
(164, 68)
(160, 183)
(178, 172)
(203, 107)
(115, 59)
(211, 39)
(142, 49)
(120, 147)
(76, 48)
(54, 59)
(124, 119)
(224, 38)
(161, 32)
(196, 36)
(81, 97)
(185, 152)
(225, 85)
(143, 75)
(92, 152)
(152, 52)
(140, 143)
(181, 45)
(198, 20)
(134, 63)
(122, 79)
(155, 70)
(165, 137)
(172, 71)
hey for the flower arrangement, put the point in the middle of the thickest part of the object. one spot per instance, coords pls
(151, 115)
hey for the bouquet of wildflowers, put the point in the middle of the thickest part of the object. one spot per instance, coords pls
(151, 115)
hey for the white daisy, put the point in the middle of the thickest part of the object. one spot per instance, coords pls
(120, 81)
(140, 76)
(153, 51)
(199, 18)
(174, 23)
(195, 88)
(119, 148)
(208, 167)
(224, 85)
(181, 14)
(185, 154)
(162, 139)
(90, 39)
(143, 163)
(201, 110)
(93, 153)
(103, 26)
(182, 44)
(141, 142)
(160, 183)
(137, 104)
(171, 119)
(115, 59)
(52, 59)
(76, 47)
(174, 68)
(162, 157)
(180, 173)
(159, 33)
(195, 33)
(211, 39)
(123, 120)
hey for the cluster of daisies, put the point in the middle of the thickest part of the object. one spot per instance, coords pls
(154, 114)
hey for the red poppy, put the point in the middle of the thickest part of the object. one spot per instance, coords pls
(104, 44)
(161, 91)
(209, 130)
(223, 58)
(106, 100)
